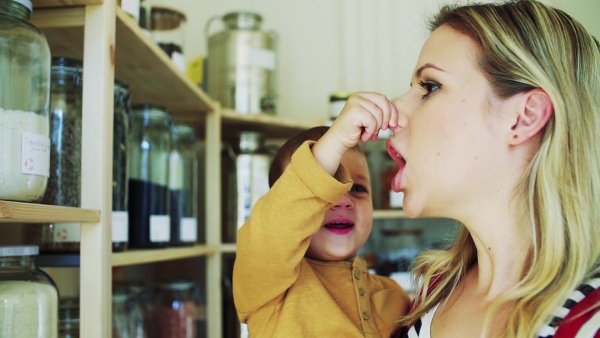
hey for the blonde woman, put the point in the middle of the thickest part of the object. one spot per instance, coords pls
(501, 131)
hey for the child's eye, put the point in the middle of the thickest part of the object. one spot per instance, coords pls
(358, 188)
(430, 87)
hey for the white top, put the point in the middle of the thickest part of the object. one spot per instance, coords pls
(422, 328)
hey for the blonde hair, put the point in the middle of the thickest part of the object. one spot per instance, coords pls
(525, 45)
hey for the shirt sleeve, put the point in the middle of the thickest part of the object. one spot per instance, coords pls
(274, 239)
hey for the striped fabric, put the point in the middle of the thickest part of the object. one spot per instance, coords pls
(575, 316)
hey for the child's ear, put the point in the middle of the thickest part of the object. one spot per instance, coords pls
(534, 111)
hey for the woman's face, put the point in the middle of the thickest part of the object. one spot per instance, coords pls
(449, 137)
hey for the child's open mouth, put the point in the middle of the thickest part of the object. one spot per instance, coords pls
(340, 227)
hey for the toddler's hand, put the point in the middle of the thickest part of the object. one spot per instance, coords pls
(361, 119)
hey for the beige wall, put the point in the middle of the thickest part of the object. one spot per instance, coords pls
(332, 45)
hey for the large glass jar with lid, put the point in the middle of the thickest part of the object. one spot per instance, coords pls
(148, 157)
(183, 183)
(120, 217)
(24, 100)
(175, 310)
(246, 179)
(122, 325)
(28, 297)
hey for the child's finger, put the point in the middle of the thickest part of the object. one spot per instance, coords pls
(371, 127)
(384, 104)
(393, 115)
(375, 111)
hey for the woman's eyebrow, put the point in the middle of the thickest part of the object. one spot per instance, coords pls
(428, 65)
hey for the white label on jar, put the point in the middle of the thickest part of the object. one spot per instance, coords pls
(35, 154)
(179, 61)
(396, 199)
(67, 232)
(263, 58)
(189, 229)
(160, 228)
(120, 226)
(132, 7)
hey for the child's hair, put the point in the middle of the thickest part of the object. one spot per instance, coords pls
(284, 154)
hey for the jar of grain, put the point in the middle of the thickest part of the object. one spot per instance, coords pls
(175, 310)
(28, 297)
(24, 99)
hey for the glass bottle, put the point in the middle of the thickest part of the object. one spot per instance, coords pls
(148, 157)
(64, 184)
(28, 297)
(175, 311)
(120, 217)
(246, 179)
(68, 318)
(183, 176)
(24, 104)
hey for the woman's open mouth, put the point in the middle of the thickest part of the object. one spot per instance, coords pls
(396, 157)
(340, 226)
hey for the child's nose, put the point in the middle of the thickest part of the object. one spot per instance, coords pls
(344, 203)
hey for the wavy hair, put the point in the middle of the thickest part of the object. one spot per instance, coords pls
(525, 45)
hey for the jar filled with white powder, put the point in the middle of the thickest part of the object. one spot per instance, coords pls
(24, 104)
(28, 297)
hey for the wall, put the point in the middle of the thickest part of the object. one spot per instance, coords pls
(327, 46)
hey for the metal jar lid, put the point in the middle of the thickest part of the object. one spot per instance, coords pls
(242, 20)
(26, 3)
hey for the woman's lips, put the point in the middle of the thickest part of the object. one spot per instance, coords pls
(340, 225)
(396, 157)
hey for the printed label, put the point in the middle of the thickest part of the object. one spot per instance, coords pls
(120, 226)
(160, 228)
(262, 58)
(67, 232)
(132, 7)
(396, 199)
(35, 154)
(189, 229)
(179, 61)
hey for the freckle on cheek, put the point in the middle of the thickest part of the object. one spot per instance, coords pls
(438, 154)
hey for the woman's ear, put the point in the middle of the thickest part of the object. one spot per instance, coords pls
(535, 110)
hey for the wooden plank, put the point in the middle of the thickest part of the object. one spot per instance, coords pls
(228, 248)
(132, 257)
(388, 214)
(60, 17)
(96, 176)
(152, 76)
(214, 263)
(63, 3)
(18, 212)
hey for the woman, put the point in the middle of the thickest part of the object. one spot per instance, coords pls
(500, 131)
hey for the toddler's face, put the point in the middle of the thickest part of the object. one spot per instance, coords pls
(347, 224)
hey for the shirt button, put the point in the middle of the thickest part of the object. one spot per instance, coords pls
(361, 292)
(365, 315)
(357, 274)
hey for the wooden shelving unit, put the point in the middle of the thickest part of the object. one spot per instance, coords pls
(389, 214)
(115, 47)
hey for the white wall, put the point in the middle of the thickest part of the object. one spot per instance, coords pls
(331, 45)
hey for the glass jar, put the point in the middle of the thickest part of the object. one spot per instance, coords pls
(246, 179)
(122, 324)
(68, 318)
(24, 101)
(120, 217)
(148, 158)
(140, 305)
(175, 311)
(183, 176)
(167, 26)
(64, 184)
(400, 247)
(28, 297)
(337, 101)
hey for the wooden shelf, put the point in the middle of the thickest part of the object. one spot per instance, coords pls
(63, 3)
(271, 125)
(19, 212)
(151, 75)
(228, 248)
(388, 214)
(132, 257)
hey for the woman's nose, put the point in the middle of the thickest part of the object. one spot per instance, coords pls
(345, 203)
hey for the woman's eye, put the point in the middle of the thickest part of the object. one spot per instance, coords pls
(429, 87)
(358, 188)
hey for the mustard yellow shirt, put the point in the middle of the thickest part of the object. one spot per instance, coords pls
(280, 293)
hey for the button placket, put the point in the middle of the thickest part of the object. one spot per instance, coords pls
(363, 300)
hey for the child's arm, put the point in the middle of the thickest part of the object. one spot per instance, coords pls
(361, 119)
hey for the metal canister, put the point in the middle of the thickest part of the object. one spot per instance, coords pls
(242, 64)
(246, 165)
